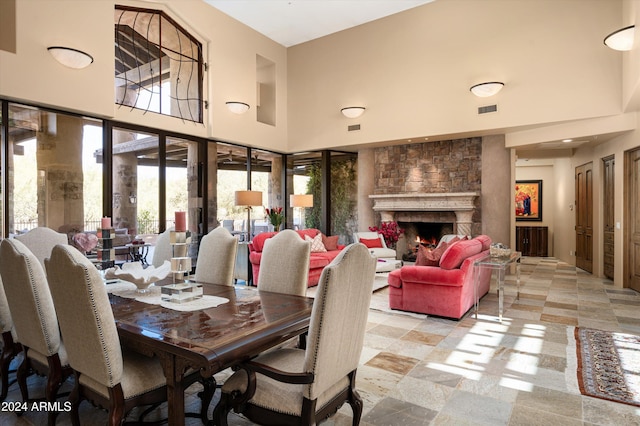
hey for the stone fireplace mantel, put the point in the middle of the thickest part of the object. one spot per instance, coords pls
(461, 203)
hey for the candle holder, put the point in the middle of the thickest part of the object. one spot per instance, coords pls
(106, 254)
(180, 262)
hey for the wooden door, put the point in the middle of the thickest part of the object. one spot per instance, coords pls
(584, 217)
(608, 218)
(632, 221)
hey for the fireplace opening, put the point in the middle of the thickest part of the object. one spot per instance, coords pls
(422, 233)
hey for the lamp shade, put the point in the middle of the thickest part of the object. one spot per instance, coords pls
(69, 57)
(621, 39)
(237, 107)
(352, 111)
(484, 90)
(301, 200)
(248, 198)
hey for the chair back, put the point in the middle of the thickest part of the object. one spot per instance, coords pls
(217, 257)
(29, 298)
(85, 316)
(41, 241)
(6, 323)
(284, 266)
(162, 249)
(339, 318)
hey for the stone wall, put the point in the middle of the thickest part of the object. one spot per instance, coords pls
(431, 167)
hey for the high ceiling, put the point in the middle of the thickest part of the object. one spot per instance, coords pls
(291, 22)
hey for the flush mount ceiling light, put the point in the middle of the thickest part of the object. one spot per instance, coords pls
(353, 111)
(621, 39)
(69, 57)
(237, 107)
(484, 90)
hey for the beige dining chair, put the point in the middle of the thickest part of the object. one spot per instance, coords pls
(9, 346)
(296, 386)
(217, 257)
(41, 241)
(34, 320)
(162, 249)
(105, 374)
(284, 266)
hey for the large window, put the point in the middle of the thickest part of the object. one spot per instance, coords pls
(158, 64)
(55, 171)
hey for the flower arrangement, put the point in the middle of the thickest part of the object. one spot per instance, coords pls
(390, 232)
(276, 217)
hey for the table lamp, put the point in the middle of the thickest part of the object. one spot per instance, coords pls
(301, 201)
(248, 199)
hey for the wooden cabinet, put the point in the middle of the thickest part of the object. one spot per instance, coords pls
(532, 240)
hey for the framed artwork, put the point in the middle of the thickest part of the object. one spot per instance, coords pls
(529, 200)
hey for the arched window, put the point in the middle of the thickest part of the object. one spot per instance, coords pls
(158, 65)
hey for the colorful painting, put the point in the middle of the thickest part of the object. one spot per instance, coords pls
(529, 200)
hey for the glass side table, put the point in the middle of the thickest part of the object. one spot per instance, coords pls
(500, 264)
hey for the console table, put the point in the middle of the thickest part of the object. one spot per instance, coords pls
(499, 264)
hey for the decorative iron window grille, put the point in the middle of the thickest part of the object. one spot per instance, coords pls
(158, 64)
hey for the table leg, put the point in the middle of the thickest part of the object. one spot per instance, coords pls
(175, 390)
(500, 292)
(518, 280)
(476, 282)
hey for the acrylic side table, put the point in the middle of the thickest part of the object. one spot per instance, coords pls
(499, 264)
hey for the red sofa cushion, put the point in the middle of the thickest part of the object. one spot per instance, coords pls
(430, 257)
(456, 253)
(330, 243)
(485, 240)
(371, 243)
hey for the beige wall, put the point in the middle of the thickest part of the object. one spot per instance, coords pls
(412, 71)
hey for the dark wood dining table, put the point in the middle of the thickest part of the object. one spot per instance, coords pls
(209, 340)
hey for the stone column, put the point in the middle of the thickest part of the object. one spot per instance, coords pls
(125, 182)
(60, 176)
(464, 222)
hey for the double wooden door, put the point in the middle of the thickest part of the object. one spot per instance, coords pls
(584, 217)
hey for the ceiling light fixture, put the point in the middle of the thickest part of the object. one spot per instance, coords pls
(567, 140)
(352, 111)
(489, 88)
(621, 39)
(237, 107)
(70, 57)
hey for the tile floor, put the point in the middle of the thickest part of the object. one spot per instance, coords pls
(418, 370)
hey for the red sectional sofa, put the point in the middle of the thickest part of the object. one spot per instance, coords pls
(317, 261)
(445, 290)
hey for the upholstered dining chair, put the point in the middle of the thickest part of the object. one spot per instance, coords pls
(294, 386)
(104, 373)
(217, 257)
(9, 346)
(284, 267)
(34, 320)
(41, 241)
(162, 249)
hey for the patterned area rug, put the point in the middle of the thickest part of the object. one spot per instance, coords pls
(608, 365)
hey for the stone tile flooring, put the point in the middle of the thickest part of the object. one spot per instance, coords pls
(419, 370)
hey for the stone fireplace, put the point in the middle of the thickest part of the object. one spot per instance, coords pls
(437, 214)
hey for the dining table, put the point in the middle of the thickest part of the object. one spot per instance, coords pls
(211, 339)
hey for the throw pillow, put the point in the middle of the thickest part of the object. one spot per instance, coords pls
(316, 243)
(371, 243)
(430, 257)
(330, 243)
(455, 254)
